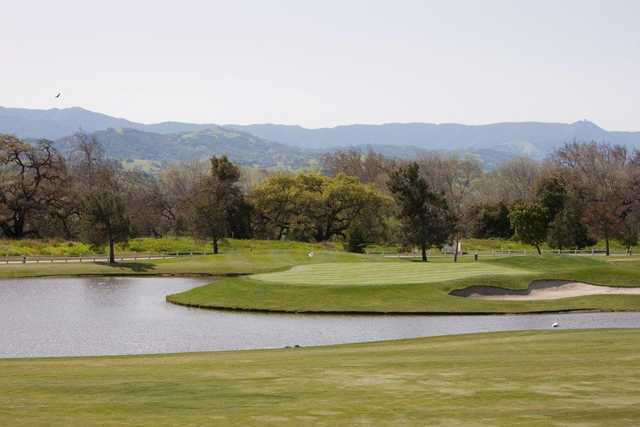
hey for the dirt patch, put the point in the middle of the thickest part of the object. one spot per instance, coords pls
(543, 290)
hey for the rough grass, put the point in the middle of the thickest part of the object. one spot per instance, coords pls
(53, 247)
(487, 245)
(244, 257)
(543, 378)
(345, 293)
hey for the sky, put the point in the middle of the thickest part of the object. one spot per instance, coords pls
(327, 63)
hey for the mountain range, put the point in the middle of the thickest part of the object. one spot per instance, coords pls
(284, 146)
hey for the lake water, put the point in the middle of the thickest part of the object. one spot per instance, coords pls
(105, 316)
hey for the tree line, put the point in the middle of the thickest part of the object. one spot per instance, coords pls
(580, 193)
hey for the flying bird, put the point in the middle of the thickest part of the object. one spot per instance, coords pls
(58, 95)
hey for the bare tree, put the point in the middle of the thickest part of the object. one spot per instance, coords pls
(370, 167)
(31, 178)
(600, 174)
(179, 184)
(454, 178)
(514, 182)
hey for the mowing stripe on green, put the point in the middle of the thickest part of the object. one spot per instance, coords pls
(383, 273)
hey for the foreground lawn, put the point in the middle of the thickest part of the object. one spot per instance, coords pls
(579, 377)
(413, 287)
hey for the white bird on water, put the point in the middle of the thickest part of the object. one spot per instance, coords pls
(555, 325)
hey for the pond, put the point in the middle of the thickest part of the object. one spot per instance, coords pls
(124, 315)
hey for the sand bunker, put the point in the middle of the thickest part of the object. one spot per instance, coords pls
(543, 290)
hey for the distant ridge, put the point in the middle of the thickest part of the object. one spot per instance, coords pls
(57, 123)
(294, 145)
(528, 138)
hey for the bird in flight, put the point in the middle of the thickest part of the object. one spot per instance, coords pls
(58, 95)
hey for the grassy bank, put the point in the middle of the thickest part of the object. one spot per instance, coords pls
(238, 257)
(53, 247)
(523, 378)
(412, 287)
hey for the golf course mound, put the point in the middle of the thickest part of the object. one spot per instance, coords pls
(543, 290)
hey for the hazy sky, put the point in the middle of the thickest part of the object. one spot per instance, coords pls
(324, 63)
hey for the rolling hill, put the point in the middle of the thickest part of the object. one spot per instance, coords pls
(131, 144)
(283, 146)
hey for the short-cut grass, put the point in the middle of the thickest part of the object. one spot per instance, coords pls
(542, 378)
(367, 273)
(413, 287)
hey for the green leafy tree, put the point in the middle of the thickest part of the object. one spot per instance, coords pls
(493, 221)
(330, 206)
(311, 206)
(530, 222)
(274, 202)
(104, 220)
(552, 194)
(425, 216)
(630, 230)
(567, 229)
(217, 201)
(357, 240)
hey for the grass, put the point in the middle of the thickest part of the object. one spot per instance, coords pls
(336, 281)
(237, 257)
(367, 273)
(472, 245)
(543, 378)
(412, 287)
(172, 244)
(54, 247)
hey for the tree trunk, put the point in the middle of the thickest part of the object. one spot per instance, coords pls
(423, 247)
(538, 249)
(606, 242)
(112, 254)
(456, 242)
(215, 245)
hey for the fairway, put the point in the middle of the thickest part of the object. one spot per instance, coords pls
(580, 377)
(384, 273)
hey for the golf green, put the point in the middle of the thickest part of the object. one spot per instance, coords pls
(367, 273)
